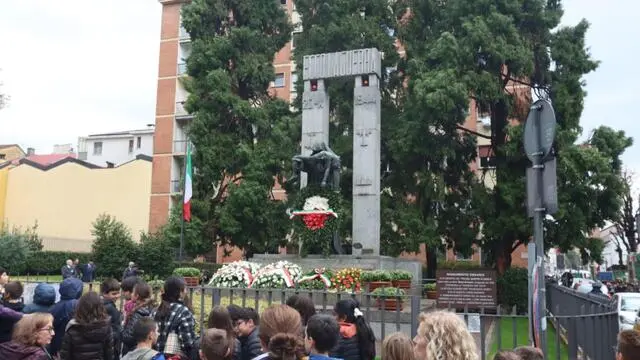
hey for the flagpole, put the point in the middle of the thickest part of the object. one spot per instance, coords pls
(184, 184)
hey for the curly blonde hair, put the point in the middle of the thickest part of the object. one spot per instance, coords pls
(447, 337)
(26, 330)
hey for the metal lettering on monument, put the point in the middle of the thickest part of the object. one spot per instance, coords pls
(470, 288)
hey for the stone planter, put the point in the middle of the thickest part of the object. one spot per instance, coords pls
(389, 304)
(432, 294)
(402, 284)
(378, 284)
(191, 281)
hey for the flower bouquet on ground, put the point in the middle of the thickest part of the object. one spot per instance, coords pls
(238, 274)
(281, 274)
(347, 280)
(318, 279)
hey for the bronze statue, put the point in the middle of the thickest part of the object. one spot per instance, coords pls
(322, 167)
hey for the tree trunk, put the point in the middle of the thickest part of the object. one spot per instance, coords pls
(503, 258)
(432, 262)
(619, 251)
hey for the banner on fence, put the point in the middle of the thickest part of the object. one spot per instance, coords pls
(536, 313)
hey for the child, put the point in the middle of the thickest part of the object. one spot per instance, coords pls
(321, 335)
(397, 346)
(88, 335)
(127, 292)
(506, 355)
(216, 344)
(246, 328)
(13, 296)
(144, 307)
(529, 353)
(110, 289)
(145, 335)
(357, 341)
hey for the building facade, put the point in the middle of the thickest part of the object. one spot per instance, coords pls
(171, 120)
(11, 152)
(113, 149)
(66, 197)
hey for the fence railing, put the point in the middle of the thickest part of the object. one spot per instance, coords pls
(578, 327)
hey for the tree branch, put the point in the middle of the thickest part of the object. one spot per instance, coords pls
(460, 127)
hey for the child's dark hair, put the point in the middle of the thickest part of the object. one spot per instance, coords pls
(324, 330)
(129, 283)
(90, 309)
(109, 285)
(144, 292)
(14, 289)
(216, 344)
(219, 318)
(250, 314)
(348, 311)
(235, 312)
(304, 305)
(506, 355)
(173, 288)
(142, 328)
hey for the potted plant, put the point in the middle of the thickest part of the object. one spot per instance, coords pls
(376, 279)
(389, 298)
(401, 279)
(430, 291)
(191, 275)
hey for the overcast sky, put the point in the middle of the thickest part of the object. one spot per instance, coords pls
(78, 67)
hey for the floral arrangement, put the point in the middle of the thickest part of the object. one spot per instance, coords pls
(238, 274)
(315, 212)
(320, 211)
(318, 279)
(347, 279)
(281, 274)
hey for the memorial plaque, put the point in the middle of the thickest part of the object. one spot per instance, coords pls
(470, 288)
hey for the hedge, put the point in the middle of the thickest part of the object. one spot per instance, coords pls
(48, 262)
(209, 267)
(513, 289)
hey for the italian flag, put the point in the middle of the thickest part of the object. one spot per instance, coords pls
(188, 191)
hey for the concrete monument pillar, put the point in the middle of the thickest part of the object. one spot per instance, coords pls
(366, 164)
(315, 118)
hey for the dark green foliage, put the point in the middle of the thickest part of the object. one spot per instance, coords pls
(14, 249)
(513, 290)
(242, 135)
(210, 267)
(112, 246)
(196, 240)
(49, 262)
(155, 255)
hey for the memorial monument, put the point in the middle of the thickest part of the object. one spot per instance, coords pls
(318, 165)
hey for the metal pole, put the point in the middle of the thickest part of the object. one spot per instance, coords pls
(184, 183)
(538, 235)
(531, 255)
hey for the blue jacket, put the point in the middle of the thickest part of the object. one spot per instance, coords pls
(62, 311)
(44, 296)
(88, 273)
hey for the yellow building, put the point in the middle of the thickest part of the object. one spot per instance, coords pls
(65, 198)
(11, 152)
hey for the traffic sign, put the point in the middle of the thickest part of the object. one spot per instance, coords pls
(539, 131)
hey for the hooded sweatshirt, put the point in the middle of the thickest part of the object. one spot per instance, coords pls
(44, 296)
(8, 318)
(62, 311)
(16, 351)
(143, 354)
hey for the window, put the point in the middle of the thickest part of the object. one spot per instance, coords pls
(279, 80)
(3, 156)
(130, 146)
(294, 80)
(295, 37)
(139, 142)
(97, 148)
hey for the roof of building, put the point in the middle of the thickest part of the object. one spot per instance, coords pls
(5, 146)
(127, 132)
(69, 158)
(49, 159)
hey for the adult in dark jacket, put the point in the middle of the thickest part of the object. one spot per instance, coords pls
(88, 335)
(131, 270)
(357, 341)
(8, 317)
(44, 296)
(88, 272)
(70, 291)
(30, 336)
(69, 271)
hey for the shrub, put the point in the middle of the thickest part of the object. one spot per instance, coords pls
(155, 255)
(387, 292)
(401, 275)
(112, 247)
(513, 289)
(460, 265)
(50, 262)
(187, 272)
(375, 275)
(204, 267)
(15, 249)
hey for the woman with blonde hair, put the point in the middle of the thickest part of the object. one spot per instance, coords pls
(279, 334)
(443, 335)
(30, 337)
(397, 346)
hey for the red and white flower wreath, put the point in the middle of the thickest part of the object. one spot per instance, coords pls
(315, 212)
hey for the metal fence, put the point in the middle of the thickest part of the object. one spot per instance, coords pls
(578, 326)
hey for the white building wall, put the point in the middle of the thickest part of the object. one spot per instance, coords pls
(116, 149)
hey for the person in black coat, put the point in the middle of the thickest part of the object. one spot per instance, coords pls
(245, 324)
(88, 272)
(357, 341)
(88, 335)
(110, 289)
(70, 290)
(131, 270)
(69, 271)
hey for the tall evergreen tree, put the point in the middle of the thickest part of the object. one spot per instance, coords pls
(242, 134)
(498, 52)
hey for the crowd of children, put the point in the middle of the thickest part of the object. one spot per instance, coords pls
(90, 326)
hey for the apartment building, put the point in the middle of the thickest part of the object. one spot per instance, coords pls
(171, 119)
(116, 148)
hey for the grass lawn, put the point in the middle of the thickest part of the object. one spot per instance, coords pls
(38, 278)
(522, 327)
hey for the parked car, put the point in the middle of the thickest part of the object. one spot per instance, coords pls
(584, 286)
(628, 305)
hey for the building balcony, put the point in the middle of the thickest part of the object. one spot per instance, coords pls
(179, 147)
(182, 68)
(184, 35)
(176, 187)
(181, 112)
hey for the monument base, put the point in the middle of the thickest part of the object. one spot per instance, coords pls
(336, 262)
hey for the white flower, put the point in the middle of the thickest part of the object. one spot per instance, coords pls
(316, 203)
